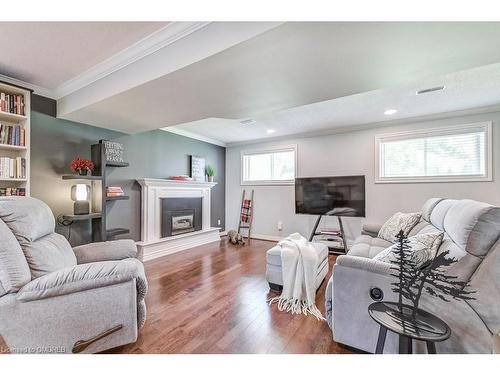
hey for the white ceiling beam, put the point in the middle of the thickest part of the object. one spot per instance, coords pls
(188, 134)
(176, 46)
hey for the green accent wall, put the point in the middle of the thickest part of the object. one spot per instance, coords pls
(156, 154)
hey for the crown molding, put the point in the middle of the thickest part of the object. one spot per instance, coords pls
(198, 137)
(39, 90)
(144, 47)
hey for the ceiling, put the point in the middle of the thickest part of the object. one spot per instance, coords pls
(476, 88)
(49, 53)
(202, 79)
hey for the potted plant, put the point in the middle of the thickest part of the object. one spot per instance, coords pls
(82, 166)
(210, 173)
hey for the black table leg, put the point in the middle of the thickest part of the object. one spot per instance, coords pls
(431, 347)
(405, 345)
(382, 333)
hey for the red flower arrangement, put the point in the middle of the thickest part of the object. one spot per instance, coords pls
(81, 166)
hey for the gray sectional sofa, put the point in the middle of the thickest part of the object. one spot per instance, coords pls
(55, 299)
(472, 235)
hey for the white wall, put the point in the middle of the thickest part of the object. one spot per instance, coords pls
(350, 154)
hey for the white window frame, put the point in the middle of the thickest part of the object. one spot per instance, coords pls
(488, 153)
(268, 150)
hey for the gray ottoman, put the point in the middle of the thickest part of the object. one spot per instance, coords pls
(274, 275)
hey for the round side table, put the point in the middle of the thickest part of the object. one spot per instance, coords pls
(425, 327)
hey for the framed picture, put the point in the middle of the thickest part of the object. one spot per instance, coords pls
(113, 151)
(197, 168)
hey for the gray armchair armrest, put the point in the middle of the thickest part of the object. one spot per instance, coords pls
(103, 251)
(371, 229)
(365, 264)
(84, 277)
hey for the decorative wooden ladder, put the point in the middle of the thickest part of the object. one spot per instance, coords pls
(246, 214)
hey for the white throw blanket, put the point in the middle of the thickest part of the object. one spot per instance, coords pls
(299, 262)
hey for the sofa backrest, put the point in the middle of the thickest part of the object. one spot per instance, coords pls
(471, 229)
(14, 270)
(472, 235)
(32, 223)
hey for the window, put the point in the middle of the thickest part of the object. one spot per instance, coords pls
(461, 153)
(274, 166)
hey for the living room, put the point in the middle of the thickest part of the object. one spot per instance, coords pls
(301, 186)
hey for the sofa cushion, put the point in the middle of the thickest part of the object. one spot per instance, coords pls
(428, 207)
(474, 226)
(368, 247)
(398, 222)
(486, 283)
(14, 270)
(48, 254)
(28, 218)
(273, 255)
(439, 212)
(423, 249)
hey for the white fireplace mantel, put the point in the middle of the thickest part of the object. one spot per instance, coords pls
(152, 191)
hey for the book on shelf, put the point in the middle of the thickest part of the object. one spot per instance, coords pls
(12, 167)
(8, 192)
(114, 191)
(181, 178)
(12, 103)
(329, 231)
(12, 135)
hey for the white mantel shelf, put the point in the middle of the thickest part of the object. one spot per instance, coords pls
(174, 183)
(152, 245)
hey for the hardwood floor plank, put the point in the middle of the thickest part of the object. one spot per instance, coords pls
(213, 299)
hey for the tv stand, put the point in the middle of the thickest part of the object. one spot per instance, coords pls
(334, 250)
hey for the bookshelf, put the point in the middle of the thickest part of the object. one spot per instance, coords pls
(100, 231)
(22, 121)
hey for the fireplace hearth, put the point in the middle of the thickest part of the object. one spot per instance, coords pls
(180, 215)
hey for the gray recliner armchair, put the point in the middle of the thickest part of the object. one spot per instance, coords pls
(55, 299)
(471, 235)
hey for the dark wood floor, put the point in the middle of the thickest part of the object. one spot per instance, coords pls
(212, 299)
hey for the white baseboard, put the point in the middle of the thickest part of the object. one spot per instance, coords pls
(256, 236)
(266, 237)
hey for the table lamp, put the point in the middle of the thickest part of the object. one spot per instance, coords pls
(80, 194)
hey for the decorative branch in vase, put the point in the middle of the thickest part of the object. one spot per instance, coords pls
(414, 280)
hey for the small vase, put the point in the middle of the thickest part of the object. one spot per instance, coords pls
(210, 178)
(83, 172)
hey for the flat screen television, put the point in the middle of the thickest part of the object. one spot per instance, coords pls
(336, 196)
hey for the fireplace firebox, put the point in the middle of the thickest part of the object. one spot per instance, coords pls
(180, 215)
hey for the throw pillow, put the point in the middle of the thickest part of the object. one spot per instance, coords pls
(399, 221)
(422, 246)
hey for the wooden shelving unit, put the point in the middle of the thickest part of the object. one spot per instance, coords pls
(90, 216)
(80, 177)
(120, 198)
(12, 151)
(100, 231)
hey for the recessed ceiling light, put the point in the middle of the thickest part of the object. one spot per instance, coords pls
(390, 111)
(270, 131)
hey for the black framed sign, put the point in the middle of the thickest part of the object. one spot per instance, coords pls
(197, 168)
(113, 151)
